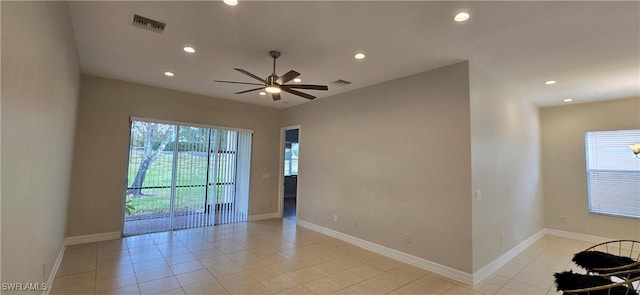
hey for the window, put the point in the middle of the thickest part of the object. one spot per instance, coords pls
(291, 159)
(613, 172)
(182, 176)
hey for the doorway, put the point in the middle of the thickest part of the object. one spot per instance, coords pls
(291, 153)
(183, 176)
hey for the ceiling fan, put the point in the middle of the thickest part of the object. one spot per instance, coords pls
(274, 84)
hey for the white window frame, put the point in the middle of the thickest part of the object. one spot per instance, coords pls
(613, 172)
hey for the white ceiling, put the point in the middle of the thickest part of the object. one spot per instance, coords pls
(591, 48)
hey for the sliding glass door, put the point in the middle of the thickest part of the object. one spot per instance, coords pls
(182, 176)
(148, 192)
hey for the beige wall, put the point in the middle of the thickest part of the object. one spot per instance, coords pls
(564, 172)
(102, 138)
(505, 156)
(394, 158)
(40, 81)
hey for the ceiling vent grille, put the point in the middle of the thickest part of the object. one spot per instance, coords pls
(341, 82)
(148, 24)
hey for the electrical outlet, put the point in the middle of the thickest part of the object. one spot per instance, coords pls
(335, 217)
(408, 238)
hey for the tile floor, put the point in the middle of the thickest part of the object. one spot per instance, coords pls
(276, 257)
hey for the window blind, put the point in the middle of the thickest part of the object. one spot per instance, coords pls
(613, 172)
(184, 176)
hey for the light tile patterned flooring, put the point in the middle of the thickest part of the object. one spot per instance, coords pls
(276, 257)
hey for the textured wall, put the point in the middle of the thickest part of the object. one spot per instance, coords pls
(40, 81)
(564, 165)
(102, 139)
(390, 159)
(505, 149)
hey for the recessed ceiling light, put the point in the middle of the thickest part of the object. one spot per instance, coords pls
(461, 16)
(263, 93)
(297, 80)
(359, 56)
(567, 100)
(169, 74)
(550, 82)
(231, 2)
(189, 49)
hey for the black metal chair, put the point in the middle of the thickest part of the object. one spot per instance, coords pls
(627, 280)
(620, 248)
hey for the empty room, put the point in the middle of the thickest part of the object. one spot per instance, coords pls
(319, 147)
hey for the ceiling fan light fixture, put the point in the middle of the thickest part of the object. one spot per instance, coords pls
(230, 2)
(272, 89)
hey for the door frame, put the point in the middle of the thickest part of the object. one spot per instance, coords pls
(283, 139)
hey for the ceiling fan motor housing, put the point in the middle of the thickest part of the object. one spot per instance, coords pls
(271, 80)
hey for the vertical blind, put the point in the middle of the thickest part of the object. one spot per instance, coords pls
(613, 172)
(183, 176)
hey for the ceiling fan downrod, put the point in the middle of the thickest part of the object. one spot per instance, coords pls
(275, 55)
(272, 79)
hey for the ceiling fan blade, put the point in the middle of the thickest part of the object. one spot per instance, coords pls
(234, 82)
(298, 93)
(290, 75)
(241, 92)
(306, 86)
(251, 75)
(276, 96)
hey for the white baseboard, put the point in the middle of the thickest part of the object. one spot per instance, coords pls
(576, 236)
(54, 269)
(92, 238)
(484, 272)
(422, 263)
(264, 216)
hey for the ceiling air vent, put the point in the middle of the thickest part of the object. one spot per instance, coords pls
(148, 24)
(341, 82)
